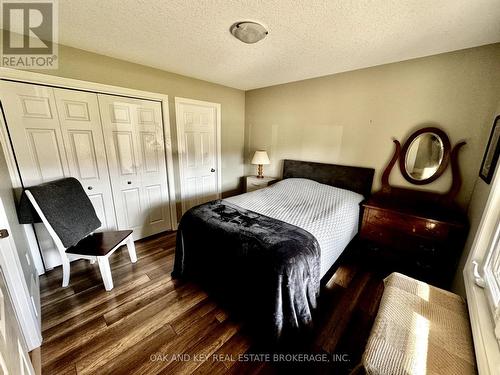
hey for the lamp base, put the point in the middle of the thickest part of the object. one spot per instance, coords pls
(260, 171)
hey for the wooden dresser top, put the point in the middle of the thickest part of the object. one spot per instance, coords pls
(418, 208)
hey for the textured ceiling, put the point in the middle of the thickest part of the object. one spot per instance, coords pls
(308, 38)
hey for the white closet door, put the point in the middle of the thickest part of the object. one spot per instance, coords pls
(35, 132)
(84, 144)
(133, 133)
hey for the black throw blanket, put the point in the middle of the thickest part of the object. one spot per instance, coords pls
(65, 205)
(270, 267)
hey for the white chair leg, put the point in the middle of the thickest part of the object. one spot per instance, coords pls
(66, 272)
(107, 279)
(131, 249)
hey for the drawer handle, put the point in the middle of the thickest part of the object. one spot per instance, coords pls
(129, 182)
(90, 187)
(427, 249)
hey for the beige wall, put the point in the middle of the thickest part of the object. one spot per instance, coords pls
(350, 118)
(475, 212)
(87, 66)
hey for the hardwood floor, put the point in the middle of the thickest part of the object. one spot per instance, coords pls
(152, 324)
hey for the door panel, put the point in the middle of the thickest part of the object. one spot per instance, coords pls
(84, 144)
(125, 153)
(133, 209)
(197, 127)
(154, 200)
(101, 209)
(82, 148)
(136, 153)
(46, 156)
(149, 154)
(36, 106)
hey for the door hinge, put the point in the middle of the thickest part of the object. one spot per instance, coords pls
(4, 233)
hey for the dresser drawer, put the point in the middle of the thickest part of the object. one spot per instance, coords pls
(251, 186)
(387, 236)
(407, 224)
(383, 236)
(254, 183)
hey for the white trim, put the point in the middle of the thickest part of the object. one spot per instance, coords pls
(75, 84)
(70, 83)
(180, 143)
(170, 163)
(485, 343)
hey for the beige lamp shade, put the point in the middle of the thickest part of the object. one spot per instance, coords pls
(260, 157)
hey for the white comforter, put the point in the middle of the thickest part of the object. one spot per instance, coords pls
(330, 214)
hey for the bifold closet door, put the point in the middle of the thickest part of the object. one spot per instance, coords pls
(84, 144)
(57, 133)
(133, 133)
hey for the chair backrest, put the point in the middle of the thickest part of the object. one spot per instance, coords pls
(60, 247)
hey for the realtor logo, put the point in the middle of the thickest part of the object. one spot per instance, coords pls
(29, 34)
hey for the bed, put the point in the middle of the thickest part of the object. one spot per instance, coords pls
(267, 250)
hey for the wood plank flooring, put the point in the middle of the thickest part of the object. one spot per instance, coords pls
(151, 324)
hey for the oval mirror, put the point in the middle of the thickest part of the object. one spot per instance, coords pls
(425, 156)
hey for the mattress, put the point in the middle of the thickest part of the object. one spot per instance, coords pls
(330, 214)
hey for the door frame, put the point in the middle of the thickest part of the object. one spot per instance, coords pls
(180, 144)
(21, 298)
(22, 76)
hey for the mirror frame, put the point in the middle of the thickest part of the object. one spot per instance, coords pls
(444, 161)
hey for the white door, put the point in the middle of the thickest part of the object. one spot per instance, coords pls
(133, 133)
(84, 144)
(57, 133)
(14, 357)
(198, 135)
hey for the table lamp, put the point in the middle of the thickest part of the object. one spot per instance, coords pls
(260, 158)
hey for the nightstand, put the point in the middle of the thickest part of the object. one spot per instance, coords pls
(254, 183)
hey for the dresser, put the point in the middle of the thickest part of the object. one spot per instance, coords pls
(421, 238)
(254, 183)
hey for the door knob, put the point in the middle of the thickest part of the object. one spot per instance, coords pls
(212, 170)
(129, 182)
(4, 233)
(90, 188)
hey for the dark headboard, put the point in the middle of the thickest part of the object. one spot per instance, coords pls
(357, 179)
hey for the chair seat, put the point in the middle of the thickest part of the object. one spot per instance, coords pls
(99, 244)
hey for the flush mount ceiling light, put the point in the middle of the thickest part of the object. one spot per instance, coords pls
(248, 32)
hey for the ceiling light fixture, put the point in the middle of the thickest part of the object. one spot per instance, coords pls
(248, 32)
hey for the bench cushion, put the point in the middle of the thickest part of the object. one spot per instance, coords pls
(419, 329)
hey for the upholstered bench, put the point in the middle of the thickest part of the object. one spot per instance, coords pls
(419, 329)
